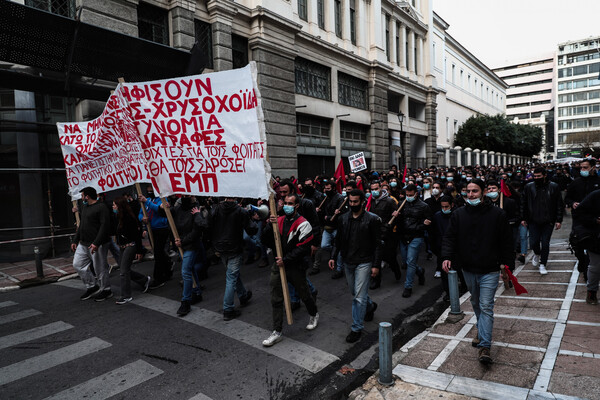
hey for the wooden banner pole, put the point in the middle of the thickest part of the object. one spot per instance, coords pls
(148, 227)
(339, 209)
(171, 224)
(398, 210)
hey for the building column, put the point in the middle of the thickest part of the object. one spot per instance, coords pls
(221, 17)
(458, 156)
(379, 132)
(492, 157)
(273, 50)
(484, 155)
(330, 20)
(393, 30)
(182, 23)
(447, 157)
(431, 121)
(420, 67)
(477, 153)
(361, 30)
(468, 153)
(411, 53)
(403, 59)
(346, 24)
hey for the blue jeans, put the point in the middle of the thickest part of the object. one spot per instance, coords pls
(190, 266)
(233, 280)
(523, 238)
(540, 233)
(294, 295)
(483, 288)
(410, 255)
(327, 243)
(358, 281)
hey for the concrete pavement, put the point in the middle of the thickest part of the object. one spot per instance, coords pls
(546, 345)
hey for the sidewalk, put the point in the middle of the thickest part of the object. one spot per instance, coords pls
(546, 345)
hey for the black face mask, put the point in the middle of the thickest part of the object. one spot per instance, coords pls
(330, 193)
(151, 195)
(356, 208)
(186, 202)
(308, 190)
(539, 181)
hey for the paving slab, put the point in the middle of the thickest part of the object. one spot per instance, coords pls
(581, 386)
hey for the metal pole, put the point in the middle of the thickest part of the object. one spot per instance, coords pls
(454, 295)
(385, 354)
(38, 262)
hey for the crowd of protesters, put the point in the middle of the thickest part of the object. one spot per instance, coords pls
(473, 219)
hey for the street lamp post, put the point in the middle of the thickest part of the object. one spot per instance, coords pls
(402, 157)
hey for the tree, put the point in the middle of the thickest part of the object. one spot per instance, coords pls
(497, 133)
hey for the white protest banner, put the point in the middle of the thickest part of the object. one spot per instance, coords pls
(104, 153)
(203, 134)
(357, 162)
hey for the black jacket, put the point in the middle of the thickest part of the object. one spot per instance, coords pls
(383, 207)
(296, 237)
(332, 203)
(411, 219)
(511, 207)
(189, 227)
(439, 226)
(542, 204)
(226, 223)
(581, 187)
(585, 221)
(94, 226)
(129, 232)
(367, 234)
(478, 239)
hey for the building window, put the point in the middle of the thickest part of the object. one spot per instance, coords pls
(461, 78)
(313, 79)
(321, 13)
(469, 82)
(66, 8)
(302, 12)
(239, 49)
(337, 9)
(447, 129)
(433, 55)
(353, 21)
(387, 38)
(153, 23)
(353, 136)
(453, 73)
(398, 43)
(352, 91)
(393, 103)
(406, 49)
(313, 130)
(203, 31)
(455, 127)
(416, 57)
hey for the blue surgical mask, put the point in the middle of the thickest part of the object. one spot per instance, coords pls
(443, 177)
(288, 210)
(584, 174)
(344, 193)
(463, 176)
(393, 184)
(492, 195)
(426, 186)
(448, 211)
(115, 211)
(375, 193)
(85, 203)
(509, 174)
(450, 178)
(367, 195)
(410, 199)
(474, 202)
(463, 194)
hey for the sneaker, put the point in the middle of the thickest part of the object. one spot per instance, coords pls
(313, 322)
(521, 258)
(103, 295)
(124, 300)
(484, 355)
(196, 298)
(370, 312)
(407, 292)
(274, 338)
(591, 298)
(246, 298)
(147, 285)
(172, 253)
(543, 270)
(337, 274)
(184, 308)
(229, 315)
(295, 305)
(421, 275)
(535, 260)
(156, 285)
(353, 336)
(90, 292)
(437, 275)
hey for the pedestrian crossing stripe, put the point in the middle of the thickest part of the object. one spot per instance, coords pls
(33, 334)
(5, 319)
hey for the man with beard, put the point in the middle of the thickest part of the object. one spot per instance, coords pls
(327, 212)
(316, 197)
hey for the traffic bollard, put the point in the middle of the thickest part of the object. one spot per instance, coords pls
(385, 354)
(454, 295)
(38, 262)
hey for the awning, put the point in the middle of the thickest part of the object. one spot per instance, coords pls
(49, 42)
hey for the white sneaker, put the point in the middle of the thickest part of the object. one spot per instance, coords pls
(274, 338)
(543, 270)
(313, 322)
(437, 274)
(535, 260)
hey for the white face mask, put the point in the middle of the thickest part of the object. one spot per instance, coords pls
(435, 192)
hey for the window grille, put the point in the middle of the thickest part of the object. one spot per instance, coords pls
(313, 79)
(352, 91)
(66, 8)
(203, 32)
(153, 23)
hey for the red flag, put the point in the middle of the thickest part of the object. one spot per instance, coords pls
(504, 188)
(340, 176)
(368, 206)
(359, 185)
(519, 289)
(295, 182)
(404, 175)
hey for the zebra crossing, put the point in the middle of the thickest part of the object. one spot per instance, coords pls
(101, 387)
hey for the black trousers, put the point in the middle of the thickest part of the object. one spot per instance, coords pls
(162, 262)
(297, 277)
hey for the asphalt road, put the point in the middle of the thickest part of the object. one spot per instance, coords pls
(53, 344)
